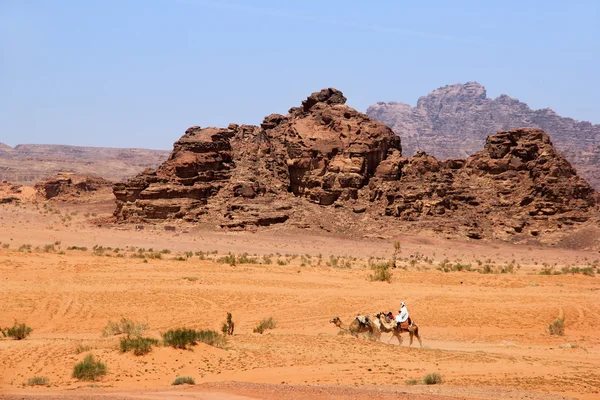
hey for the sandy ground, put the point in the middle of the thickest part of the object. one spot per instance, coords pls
(485, 334)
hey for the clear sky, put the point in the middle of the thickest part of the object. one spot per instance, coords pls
(137, 73)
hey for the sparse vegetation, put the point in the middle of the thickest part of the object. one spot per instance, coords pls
(138, 345)
(17, 331)
(182, 338)
(267, 323)
(184, 380)
(432, 379)
(381, 272)
(89, 369)
(412, 382)
(38, 381)
(82, 349)
(557, 327)
(124, 326)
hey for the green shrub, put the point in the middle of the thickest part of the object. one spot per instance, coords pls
(267, 323)
(179, 338)
(557, 327)
(126, 326)
(381, 272)
(38, 381)
(182, 338)
(89, 369)
(77, 248)
(17, 331)
(184, 380)
(228, 259)
(139, 345)
(432, 379)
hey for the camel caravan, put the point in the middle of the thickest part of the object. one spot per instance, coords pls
(382, 322)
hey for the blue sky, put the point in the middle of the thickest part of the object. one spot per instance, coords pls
(137, 73)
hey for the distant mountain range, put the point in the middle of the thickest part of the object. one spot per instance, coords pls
(454, 121)
(29, 163)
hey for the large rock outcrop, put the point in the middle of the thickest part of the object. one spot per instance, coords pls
(71, 187)
(454, 121)
(326, 166)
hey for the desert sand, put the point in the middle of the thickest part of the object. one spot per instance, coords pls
(485, 334)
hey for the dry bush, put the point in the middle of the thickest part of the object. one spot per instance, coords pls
(267, 323)
(557, 327)
(124, 326)
(432, 379)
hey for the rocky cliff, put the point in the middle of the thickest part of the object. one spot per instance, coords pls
(326, 166)
(454, 121)
(71, 187)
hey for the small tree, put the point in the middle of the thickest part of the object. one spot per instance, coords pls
(228, 325)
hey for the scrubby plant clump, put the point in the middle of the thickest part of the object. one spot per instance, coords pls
(17, 331)
(89, 369)
(557, 327)
(124, 326)
(138, 345)
(183, 338)
(267, 323)
(432, 379)
(184, 380)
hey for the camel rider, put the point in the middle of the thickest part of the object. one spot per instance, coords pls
(402, 315)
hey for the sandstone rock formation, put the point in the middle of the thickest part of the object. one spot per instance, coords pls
(454, 121)
(327, 166)
(70, 187)
(27, 164)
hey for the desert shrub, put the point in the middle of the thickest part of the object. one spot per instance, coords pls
(557, 327)
(211, 338)
(184, 380)
(77, 248)
(245, 259)
(154, 256)
(179, 258)
(38, 381)
(17, 331)
(228, 259)
(381, 272)
(126, 326)
(191, 278)
(49, 248)
(89, 369)
(412, 382)
(179, 338)
(228, 325)
(139, 345)
(82, 349)
(182, 338)
(432, 379)
(267, 323)
(25, 248)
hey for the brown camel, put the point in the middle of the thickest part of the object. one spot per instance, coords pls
(389, 326)
(356, 327)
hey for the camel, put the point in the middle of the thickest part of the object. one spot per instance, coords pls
(389, 326)
(355, 328)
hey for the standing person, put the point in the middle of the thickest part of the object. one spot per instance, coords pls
(402, 315)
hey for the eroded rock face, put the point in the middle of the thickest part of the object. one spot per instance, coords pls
(519, 184)
(454, 121)
(327, 166)
(322, 150)
(68, 186)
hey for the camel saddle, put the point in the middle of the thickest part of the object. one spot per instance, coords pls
(405, 324)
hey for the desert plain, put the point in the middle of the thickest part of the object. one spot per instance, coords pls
(485, 334)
